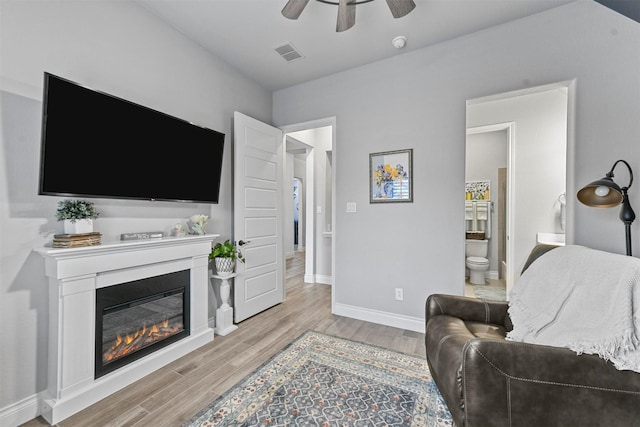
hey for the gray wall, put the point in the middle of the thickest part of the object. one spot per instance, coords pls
(119, 48)
(417, 100)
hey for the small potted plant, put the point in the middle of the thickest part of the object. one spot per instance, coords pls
(225, 255)
(78, 216)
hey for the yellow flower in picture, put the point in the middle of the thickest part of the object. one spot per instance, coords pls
(386, 172)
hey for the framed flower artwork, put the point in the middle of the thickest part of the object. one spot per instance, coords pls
(391, 176)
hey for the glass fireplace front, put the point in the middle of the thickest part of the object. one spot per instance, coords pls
(134, 319)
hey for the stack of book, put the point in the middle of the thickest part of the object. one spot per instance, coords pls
(76, 240)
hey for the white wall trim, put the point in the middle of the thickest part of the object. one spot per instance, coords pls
(21, 411)
(380, 317)
(318, 278)
(324, 279)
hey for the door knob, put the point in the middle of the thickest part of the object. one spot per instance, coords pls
(242, 242)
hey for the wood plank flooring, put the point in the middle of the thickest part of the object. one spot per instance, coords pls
(172, 395)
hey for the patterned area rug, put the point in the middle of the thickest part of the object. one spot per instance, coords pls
(490, 293)
(320, 380)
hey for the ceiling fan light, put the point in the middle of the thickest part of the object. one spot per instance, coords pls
(347, 10)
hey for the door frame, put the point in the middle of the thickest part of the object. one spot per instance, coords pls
(570, 87)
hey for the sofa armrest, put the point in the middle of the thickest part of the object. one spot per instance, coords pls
(519, 384)
(466, 308)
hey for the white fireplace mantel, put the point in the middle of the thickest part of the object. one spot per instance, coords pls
(74, 275)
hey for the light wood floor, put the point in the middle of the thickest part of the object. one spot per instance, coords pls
(172, 395)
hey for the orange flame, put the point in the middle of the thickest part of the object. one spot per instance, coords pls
(141, 338)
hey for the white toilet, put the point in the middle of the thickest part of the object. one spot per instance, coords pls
(476, 260)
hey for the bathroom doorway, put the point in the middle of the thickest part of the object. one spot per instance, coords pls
(486, 164)
(535, 124)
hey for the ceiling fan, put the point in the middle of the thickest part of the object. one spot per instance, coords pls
(347, 10)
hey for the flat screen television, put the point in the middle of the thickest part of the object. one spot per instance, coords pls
(98, 145)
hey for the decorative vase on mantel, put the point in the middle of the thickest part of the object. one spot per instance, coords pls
(78, 226)
(224, 266)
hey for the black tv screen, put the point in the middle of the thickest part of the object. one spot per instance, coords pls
(98, 145)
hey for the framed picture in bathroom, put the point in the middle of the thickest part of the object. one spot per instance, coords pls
(391, 176)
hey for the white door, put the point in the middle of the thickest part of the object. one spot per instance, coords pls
(258, 215)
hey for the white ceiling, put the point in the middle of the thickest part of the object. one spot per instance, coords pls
(244, 33)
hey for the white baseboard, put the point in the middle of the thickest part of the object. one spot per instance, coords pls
(21, 411)
(318, 278)
(380, 317)
(326, 280)
(493, 275)
(489, 274)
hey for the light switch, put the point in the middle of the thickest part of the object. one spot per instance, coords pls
(351, 207)
(318, 209)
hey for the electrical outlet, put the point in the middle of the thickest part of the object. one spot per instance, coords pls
(399, 294)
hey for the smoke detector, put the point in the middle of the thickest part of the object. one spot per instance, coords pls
(399, 42)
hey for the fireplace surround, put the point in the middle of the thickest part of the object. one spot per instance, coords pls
(77, 276)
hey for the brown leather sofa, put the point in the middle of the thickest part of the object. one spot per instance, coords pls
(488, 381)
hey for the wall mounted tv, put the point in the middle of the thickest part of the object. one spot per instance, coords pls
(99, 145)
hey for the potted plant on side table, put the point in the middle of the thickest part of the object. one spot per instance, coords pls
(224, 256)
(78, 216)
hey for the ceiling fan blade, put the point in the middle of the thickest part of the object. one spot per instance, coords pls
(346, 15)
(400, 8)
(294, 8)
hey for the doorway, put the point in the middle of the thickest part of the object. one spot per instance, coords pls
(537, 124)
(486, 165)
(317, 138)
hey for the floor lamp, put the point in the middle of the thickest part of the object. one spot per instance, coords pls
(604, 193)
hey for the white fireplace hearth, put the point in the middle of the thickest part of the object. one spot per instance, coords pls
(74, 275)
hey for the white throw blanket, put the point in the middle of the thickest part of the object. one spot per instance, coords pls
(583, 299)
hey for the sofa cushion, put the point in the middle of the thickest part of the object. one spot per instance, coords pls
(486, 330)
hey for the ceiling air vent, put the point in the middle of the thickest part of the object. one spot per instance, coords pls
(288, 52)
